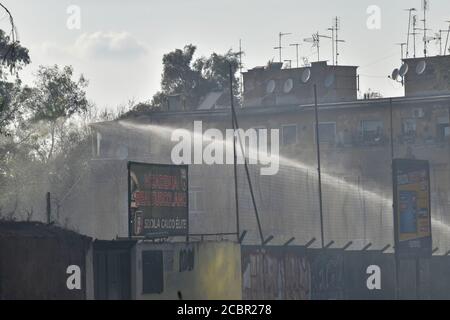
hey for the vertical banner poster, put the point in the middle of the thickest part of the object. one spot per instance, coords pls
(412, 214)
(157, 200)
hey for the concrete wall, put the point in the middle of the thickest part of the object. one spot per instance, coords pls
(216, 272)
(294, 273)
(334, 83)
(434, 80)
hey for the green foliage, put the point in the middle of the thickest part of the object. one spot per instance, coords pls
(193, 80)
(56, 95)
(49, 145)
(12, 58)
(12, 55)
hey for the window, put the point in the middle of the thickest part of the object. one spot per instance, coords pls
(372, 130)
(152, 272)
(327, 132)
(372, 126)
(409, 126)
(196, 201)
(289, 135)
(443, 128)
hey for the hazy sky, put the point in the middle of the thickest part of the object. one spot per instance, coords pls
(120, 44)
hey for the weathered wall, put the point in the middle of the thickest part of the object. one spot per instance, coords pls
(295, 273)
(34, 260)
(335, 83)
(434, 80)
(275, 273)
(214, 274)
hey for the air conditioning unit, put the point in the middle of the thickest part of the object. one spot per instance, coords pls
(417, 113)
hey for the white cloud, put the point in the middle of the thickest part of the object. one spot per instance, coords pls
(116, 64)
(100, 45)
(109, 45)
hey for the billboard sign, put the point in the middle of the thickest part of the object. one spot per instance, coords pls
(157, 200)
(412, 214)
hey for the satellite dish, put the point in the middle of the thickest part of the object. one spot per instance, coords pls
(395, 74)
(270, 88)
(288, 85)
(306, 75)
(421, 66)
(403, 70)
(329, 80)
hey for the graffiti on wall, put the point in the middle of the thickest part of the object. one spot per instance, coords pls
(275, 275)
(327, 276)
(299, 285)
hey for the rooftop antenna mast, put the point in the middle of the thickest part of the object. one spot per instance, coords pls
(410, 10)
(438, 38)
(296, 45)
(335, 39)
(425, 7)
(281, 35)
(315, 40)
(414, 33)
(425, 39)
(446, 41)
(337, 27)
(332, 29)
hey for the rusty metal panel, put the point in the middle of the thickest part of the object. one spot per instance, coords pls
(275, 273)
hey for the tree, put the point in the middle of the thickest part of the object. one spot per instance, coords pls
(50, 147)
(13, 55)
(178, 75)
(195, 79)
(216, 71)
(55, 98)
(12, 58)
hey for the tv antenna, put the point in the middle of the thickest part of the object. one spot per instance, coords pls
(425, 8)
(332, 29)
(410, 11)
(446, 41)
(296, 45)
(281, 35)
(425, 39)
(336, 26)
(438, 38)
(414, 33)
(315, 40)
